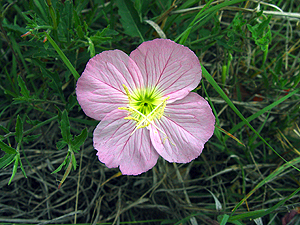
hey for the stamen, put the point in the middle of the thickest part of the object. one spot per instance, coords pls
(146, 118)
(127, 92)
(142, 119)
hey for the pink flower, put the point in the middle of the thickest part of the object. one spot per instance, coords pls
(146, 106)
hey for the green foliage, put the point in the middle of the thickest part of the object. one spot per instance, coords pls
(7, 159)
(261, 33)
(9, 150)
(141, 7)
(13, 155)
(130, 19)
(55, 82)
(24, 91)
(19, 130)
(73, 144)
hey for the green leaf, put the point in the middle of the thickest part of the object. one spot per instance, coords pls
(237, 222)
(68, 170)
(63, 57)
(78, 25)
(31, 138)
(79, 140)
(278, 65)
(72, 101)
(61, 165)
(60, 144)
(19, 130)
(9, 150)
(101, 37)
(261, 33)
(296, 80)
(2, 137)
(14, 169)
(142, 7)
(8, 92)
(130, 19)
(65, 127)
(39, 125)
(59, 113)
(4, 129)
(55, 83)
(24, 91)
(41, 5)
(91, 48)
(6, 160)
(15, 28)
(224, 220)
(21, 166)
(73, 160)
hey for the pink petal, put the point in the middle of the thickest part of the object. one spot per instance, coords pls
(188, 123)
(172, 68)
(100, 88)
(117, 147)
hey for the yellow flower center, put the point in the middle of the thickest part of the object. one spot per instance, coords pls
(144, 106)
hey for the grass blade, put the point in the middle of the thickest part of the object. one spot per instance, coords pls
(217, 88)
(261, 213)
(264, 110)
(269, 178)
(202, 15)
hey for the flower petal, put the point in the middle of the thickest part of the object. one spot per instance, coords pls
(117, 147)
(170, 67)
(187, 123)
(100, 88)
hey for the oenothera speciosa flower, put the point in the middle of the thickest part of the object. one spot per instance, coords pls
(146, 106)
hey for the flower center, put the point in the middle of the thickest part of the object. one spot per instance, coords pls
(144, 106)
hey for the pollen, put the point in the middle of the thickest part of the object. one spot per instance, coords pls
(144, 106)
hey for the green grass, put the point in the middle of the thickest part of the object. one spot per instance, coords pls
(249, 169)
